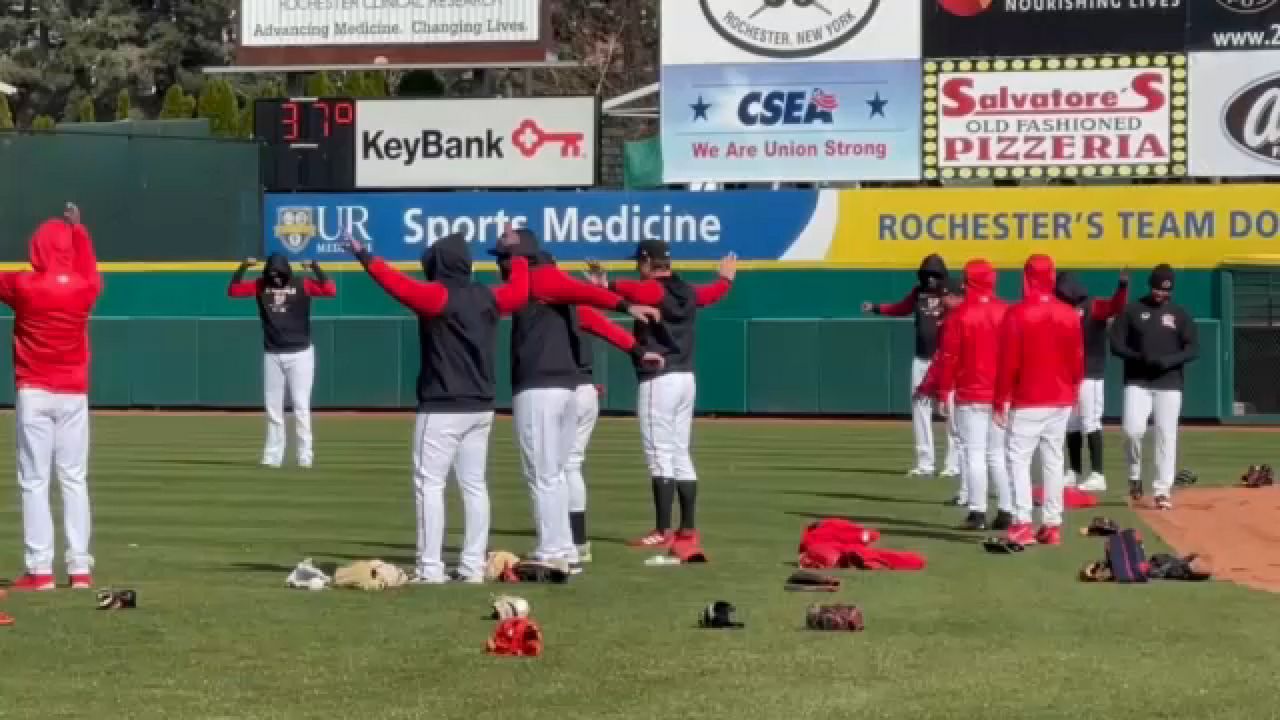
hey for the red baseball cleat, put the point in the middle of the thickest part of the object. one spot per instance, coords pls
(1022, 534)
(82, 582)
(33, 583)
(1049, 535)
(691, 537)
(5, 620)
(656, 539)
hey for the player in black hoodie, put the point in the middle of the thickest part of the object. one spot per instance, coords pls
(1156, 339)
(924, 302)
(457, 333)
(1086, 419)
(289, 361)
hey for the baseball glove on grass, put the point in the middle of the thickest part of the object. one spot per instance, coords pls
(506, 607)
(845, 618)
(1257, 476)
(499, 566)
(370, 575)
(805, 581)
(1100, 527)
(1185, 478)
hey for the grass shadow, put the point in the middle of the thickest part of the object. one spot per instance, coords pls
(875, 521)
(866, 497)
(841, 470)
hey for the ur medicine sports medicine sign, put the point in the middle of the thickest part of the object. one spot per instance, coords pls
(322, 23)
(1072, 117)
(526, 142)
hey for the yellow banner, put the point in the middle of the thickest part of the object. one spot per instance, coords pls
(1187, 226)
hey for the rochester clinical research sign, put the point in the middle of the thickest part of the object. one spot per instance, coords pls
(319, 23)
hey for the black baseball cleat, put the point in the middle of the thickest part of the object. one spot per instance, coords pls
(975, 521)
(1135, 490)
(1003, 521)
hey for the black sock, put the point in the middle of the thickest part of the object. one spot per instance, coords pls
(664, 491)
(688, 491)
(1075, 443)
(578, 523)
(1095, 451)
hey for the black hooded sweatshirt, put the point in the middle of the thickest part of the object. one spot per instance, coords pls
(457, 324)
(284, 302)
(925, 303)
(1156, 341)
(1094, 318)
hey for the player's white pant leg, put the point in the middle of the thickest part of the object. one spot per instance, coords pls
(470, 470)
(71, 460)
(954, 459)
(36, 430)
(1092, 399)
(685, 389)
(1025, 429)
(972, 424)
(1138, 403)
(998, 466)
(1167, 406)
(436, 438)
(587, 402)
(921, 418)
(654, 399)
(1053, 436)
(300, 372)
(273, 387)
(545, 424)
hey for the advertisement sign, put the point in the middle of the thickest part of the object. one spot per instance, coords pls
(1235, 113)
(524, 142)
(1234, 25)
(1056, 117)
(971, 28)
(696, 32)
(320, 23)
(1188, 226)
(758, 225)
(787, 122)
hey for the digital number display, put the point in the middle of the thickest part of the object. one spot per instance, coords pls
(307, 143)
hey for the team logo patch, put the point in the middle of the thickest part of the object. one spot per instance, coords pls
(295, 227)
(1169, 321)
(1145, 316)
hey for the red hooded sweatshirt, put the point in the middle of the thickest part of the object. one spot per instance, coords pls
(970, 353)
(1041, 345)
(51, 308)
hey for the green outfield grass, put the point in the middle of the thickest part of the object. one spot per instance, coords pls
(206, 538)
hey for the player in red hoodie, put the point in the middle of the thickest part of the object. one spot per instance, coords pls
(1037, 385)
(51, 306)
(967, 363)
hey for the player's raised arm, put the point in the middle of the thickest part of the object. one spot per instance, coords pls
(322, 286)
(514, 293)
(425, 298)
(713, 293)
(1104, 310)
(239, 287)
(84, 262)
(902, 308)
(550, 284)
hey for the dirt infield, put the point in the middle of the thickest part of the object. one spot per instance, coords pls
(1236, 532)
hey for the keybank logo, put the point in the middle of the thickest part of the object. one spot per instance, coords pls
(789, 28)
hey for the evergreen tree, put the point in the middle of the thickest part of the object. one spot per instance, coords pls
(43, 123)
(218, 103)
(84, 110)
(123, 104)
(175, 105)
(319, 85)
(6, 115)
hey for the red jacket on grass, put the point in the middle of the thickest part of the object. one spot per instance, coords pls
(51, 306)
(1041, 346)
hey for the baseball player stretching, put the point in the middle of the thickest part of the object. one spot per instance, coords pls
(1041, 366)
(587, 407)
(51, 307)
(1156, 339)
(966, 368)
(665, 399)
(457, 333)
(925, 303)
(289, 360)
(1086, 419)
(544, 377)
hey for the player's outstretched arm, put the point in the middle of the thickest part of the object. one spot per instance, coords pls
(902, 308)
(1104, 310)
(239, 287)
(322, 285)
(425, 298)
(513, 295)
(597, 324)
(713, 293)
(550, 284)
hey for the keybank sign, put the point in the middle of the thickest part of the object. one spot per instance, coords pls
(573, 226)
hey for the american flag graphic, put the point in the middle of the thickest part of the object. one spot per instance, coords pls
(824, 101)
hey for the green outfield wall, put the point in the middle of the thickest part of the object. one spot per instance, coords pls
(784, 342)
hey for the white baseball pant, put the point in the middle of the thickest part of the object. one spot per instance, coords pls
(664, 407)
(1143, 404)
(294, 372)
(1029, 429)
(1086, 416)
(922, 426)
(982, 445)
(546, 422)
(459, 441)
(587, 403)
(53, 433)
